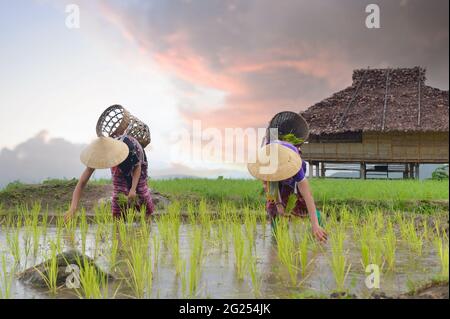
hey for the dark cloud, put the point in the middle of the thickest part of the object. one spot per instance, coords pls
(272, 53)
(40, 158)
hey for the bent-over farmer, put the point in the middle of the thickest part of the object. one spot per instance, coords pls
(289, 177)
(126, 158)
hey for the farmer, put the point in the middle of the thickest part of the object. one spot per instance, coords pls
(128, 163)
(288, 181)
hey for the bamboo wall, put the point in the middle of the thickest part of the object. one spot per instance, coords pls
(395, 147)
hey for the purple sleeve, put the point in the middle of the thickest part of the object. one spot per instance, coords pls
(301, 173)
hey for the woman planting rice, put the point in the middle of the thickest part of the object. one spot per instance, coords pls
(128, 162)
(287, 189)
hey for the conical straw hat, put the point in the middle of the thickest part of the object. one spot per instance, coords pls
(275, 162)
(104, 152)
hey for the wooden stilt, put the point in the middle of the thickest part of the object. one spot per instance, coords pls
(362, 170)
(417, 169)
(310, 169)
(322, 169)
(317, 169)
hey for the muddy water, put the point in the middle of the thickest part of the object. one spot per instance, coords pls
(218, 275)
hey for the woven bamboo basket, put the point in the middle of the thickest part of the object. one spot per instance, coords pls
(116, 120)
(289, 122)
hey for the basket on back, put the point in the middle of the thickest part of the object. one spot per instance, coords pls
(288, 123)
(116, 120)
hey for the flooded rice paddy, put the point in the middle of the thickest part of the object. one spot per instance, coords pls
(233, 253)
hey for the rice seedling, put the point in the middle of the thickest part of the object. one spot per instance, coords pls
(50, 274)
(36, 236)
(250, 226)
(6, 279)
(442, 248)
(195, 261)
(255, 276)
(139, 265)
(190, 207)
(113, 250)
(13, 243)
(84, 227)
(27, 242)
(339, 262)
(44, 225)
(372, 248)
(93, 283)
(287, 253)
(239, 250)
(123, 232)
(59, 232)
(303, 251)
(412, 237)
(390, 240)
(204, 216)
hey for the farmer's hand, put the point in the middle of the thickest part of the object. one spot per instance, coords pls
(319, 233)
(132, 195)
(68, 215)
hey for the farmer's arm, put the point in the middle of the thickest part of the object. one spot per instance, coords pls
(135, 180)
(305, 191)
(78, 191)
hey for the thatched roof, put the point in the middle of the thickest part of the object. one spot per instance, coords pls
(382, 100)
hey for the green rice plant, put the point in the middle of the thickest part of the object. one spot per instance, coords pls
(123, 233)
(50, 274)
(36, 236)
(239, 250)
(84, 227)
(303, 249)
(412, 237)
(44, 225)
(195, 261)
(130, 216)
(6, 279)
(339, 263)
(255, 276)
(204, 216)
(250, 226)
(390, 240)
(287, 253)
(59, 232)
(183, 279)
(442, 248)
(425, 230)
(13, 243)
(113, 250)
(27, 242)
(190, 207)
(139, 265)
(93, 283)
(372, 248)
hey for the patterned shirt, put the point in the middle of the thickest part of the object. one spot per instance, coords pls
(122, 177)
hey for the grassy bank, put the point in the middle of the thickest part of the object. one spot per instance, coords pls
(389, 194)
(324, 190)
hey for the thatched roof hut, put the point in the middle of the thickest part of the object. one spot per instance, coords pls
(383, 109)
(382, 100)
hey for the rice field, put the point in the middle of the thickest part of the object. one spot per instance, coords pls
(221, 249)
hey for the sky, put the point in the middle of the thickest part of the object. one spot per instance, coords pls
(226, 63)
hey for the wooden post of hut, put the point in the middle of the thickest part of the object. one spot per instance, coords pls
(362, 170)
(385, 118)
